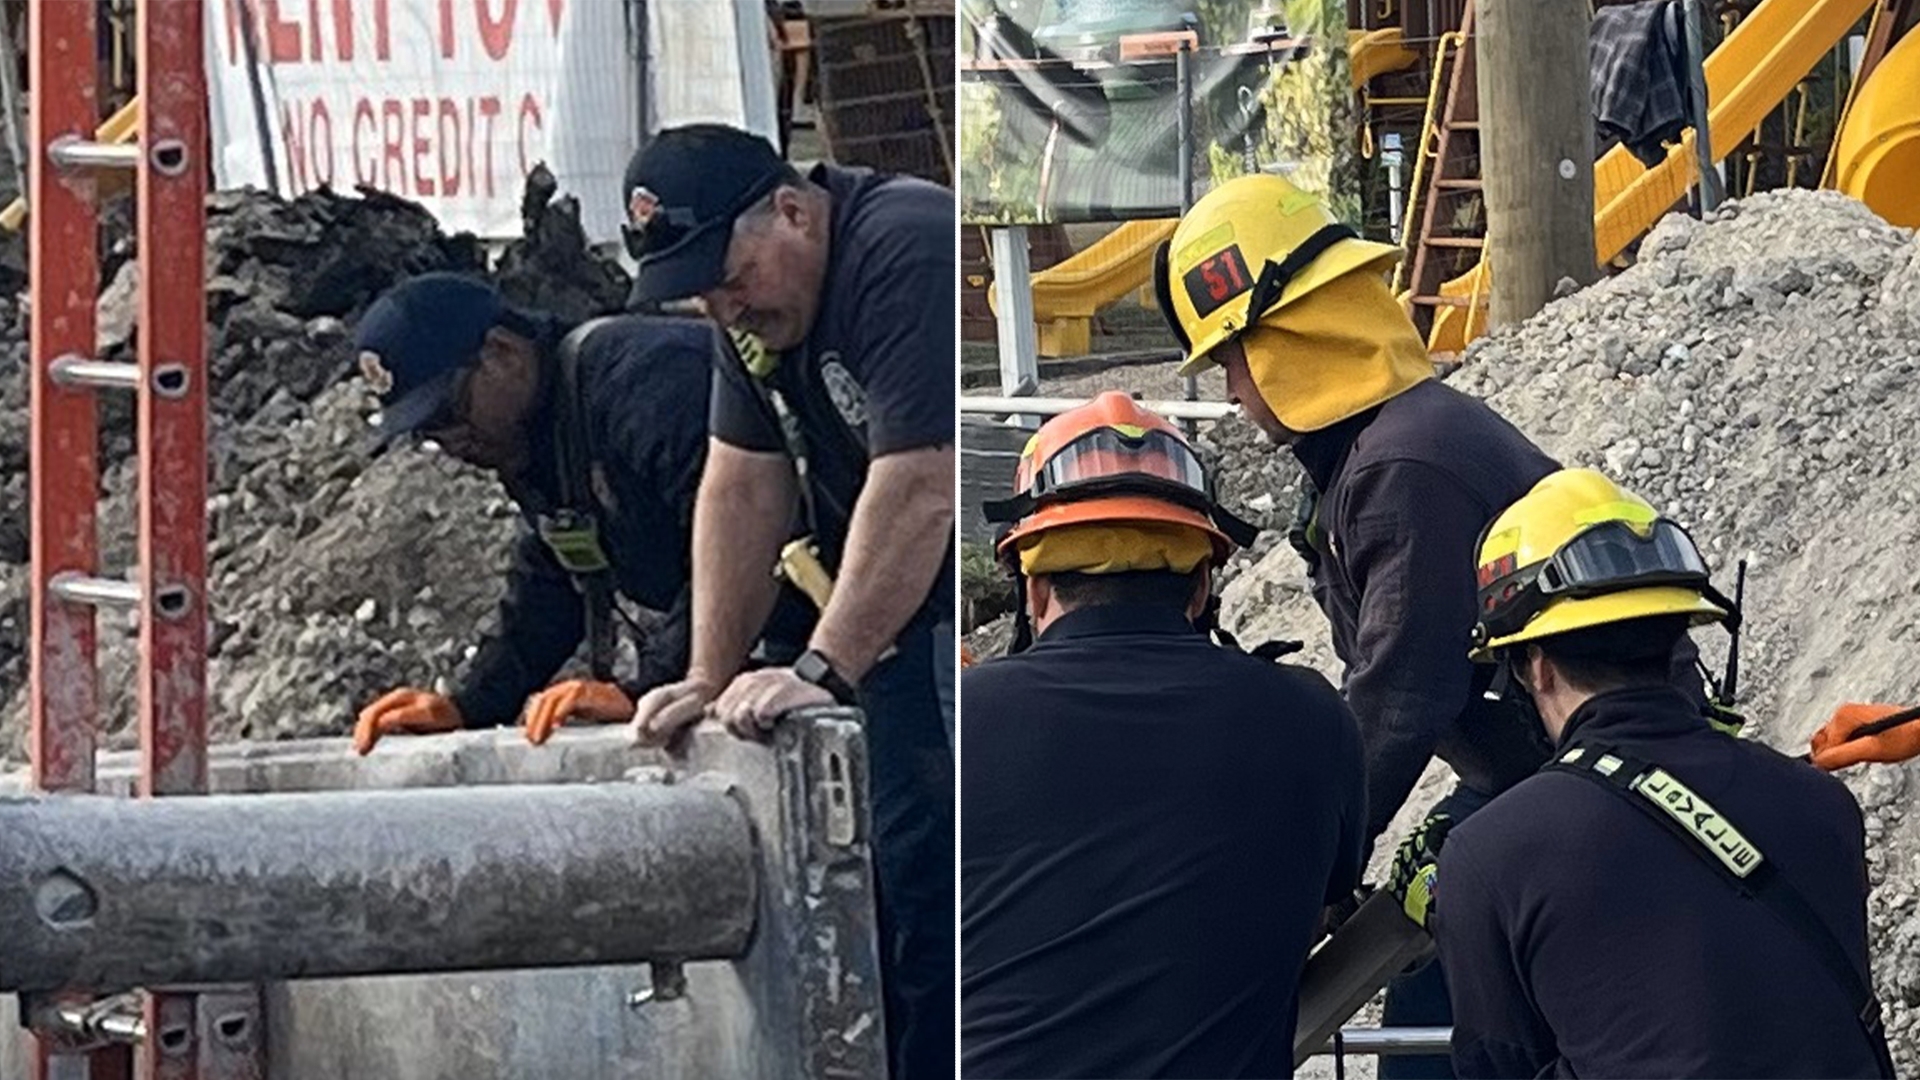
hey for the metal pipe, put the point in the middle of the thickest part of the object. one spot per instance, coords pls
(1053, 406)
(1183, 77)
(1183, 81)
(77, 588)
(1391, 1041)
(1697, 99)
(104, 894)
(77, 153)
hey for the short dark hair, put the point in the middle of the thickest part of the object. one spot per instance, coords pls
(1154, 588)
(1619, 655)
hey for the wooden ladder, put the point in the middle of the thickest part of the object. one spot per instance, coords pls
(1451, 209)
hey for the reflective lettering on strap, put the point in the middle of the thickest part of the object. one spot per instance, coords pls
(1700, 819)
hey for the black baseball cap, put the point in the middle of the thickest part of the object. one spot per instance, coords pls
(423, 333)
(684, 190)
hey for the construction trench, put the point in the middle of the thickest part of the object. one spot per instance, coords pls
(1756, 375)
(621, 913)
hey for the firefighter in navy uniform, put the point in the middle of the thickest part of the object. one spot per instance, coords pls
(1153, 823)
(1662, 899)
(598, 433)
(1404, 472)
(839, 285)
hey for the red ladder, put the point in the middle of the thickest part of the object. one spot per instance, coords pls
(1452, 215)
(214, 1035)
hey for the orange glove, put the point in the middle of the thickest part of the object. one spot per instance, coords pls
(578, 699)
(409, 712)
(1840, 743)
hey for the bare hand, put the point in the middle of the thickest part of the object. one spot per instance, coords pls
(664, 711)
(754, 703)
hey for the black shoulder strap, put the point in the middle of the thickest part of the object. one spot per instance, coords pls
(760, 364)
(573, 531)
(1701, 829)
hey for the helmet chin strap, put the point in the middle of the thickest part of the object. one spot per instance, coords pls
(1022, 622)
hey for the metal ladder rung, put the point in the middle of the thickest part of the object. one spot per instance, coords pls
(1474, 242)
(75, 153)
(169, 380)
(1446, 301)
(77, 588)
(78, 371)
(1458, 184)
(126, 1027)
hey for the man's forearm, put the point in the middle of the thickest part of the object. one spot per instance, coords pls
(901, 531)
(739, 519)
(540, 626)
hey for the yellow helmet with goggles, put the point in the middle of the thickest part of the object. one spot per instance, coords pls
(1578, 551)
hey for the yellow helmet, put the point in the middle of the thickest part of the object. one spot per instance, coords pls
(1250, 247)
(1579, 551)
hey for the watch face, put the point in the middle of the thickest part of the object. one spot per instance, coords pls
(812, 667)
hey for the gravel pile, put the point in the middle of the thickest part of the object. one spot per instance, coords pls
(1757, 376)
(335, 574)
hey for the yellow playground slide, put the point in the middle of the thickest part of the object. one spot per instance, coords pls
(1877, 156)
(1066, 295)
(1373, 53)
(1752, 71)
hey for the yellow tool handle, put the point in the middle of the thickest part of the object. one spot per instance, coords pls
(800, 564)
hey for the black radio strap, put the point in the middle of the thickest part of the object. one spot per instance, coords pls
(760, 364)
(1701, 829)
(573, 533)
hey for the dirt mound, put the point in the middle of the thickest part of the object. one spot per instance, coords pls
(335, 573)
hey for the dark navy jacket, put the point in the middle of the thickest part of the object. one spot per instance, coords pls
(1405, 489)
(1582, 939)
(1150, 825)
(645, 382)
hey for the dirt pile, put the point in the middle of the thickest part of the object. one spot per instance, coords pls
(1756, 375)
(335, 574)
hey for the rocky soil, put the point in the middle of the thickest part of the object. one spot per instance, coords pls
(1757, 376)
(336, 573)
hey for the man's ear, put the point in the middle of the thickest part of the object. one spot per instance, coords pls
(1202, 592)
(791, 209)
(1541, 676)
(507, 353)
(1039, 597)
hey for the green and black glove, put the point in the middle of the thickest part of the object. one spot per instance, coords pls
(1416, 866)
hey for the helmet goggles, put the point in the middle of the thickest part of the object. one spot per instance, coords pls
(1118, 460)
(1608, 557)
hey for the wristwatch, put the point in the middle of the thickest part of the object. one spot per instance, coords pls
(814, 667)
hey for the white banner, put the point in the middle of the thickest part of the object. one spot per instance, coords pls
(451, 102)
(446, 102)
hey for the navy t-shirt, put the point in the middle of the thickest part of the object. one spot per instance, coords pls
(875, 376)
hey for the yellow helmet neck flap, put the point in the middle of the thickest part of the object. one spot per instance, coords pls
(1335, 353)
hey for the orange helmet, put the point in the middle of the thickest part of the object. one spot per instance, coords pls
(1112, 461)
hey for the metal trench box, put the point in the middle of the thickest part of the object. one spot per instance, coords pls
(586, 910)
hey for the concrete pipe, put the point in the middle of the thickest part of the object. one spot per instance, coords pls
(103, 894)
